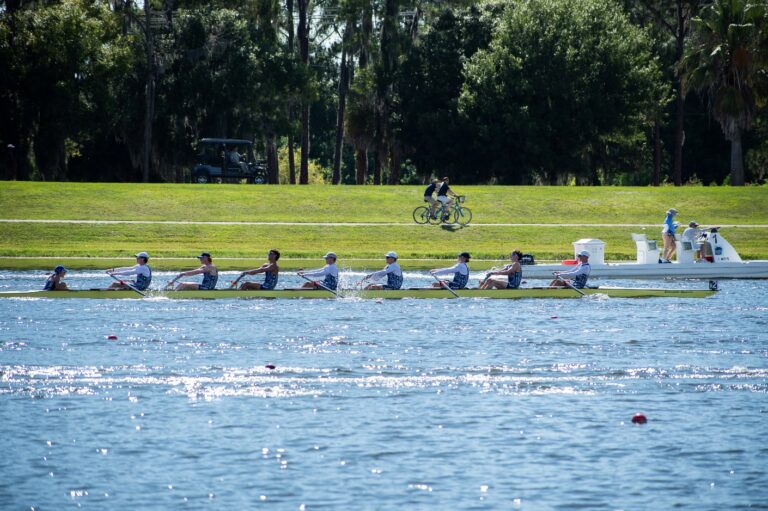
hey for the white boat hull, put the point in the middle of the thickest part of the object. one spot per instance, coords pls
(674, 270)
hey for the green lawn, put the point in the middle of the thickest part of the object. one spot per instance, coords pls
(491, 204)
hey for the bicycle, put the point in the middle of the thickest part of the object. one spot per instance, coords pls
(456, 212)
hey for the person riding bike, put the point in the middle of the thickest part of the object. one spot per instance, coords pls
(428, 193)
(443, 196)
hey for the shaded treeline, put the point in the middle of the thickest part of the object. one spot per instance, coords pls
(389, 91)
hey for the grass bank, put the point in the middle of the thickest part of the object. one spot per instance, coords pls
(236, 246)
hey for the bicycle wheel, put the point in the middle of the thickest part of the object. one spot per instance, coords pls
(421, 215)
(462, 216)
(437, 217)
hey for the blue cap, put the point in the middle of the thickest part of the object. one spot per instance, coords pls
(59, 269)
(204, 254)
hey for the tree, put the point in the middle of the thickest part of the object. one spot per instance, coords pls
(726, 61)
(560, 79)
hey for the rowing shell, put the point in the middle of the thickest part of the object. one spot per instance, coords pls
(532, 292)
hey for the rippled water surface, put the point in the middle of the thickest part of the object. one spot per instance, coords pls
(359, 404)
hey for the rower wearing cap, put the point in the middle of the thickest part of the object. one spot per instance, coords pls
(392, 271)
(513, 272)
(329, 271)
(54, 281)
(270, 269)
(576, 277)
(460, 272)
(668, 234)
(141, 269)
(207, 270)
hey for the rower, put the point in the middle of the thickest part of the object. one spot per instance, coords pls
(577, 277)
(460, 272)
(392, 271)
(513, 271)
(329, 271)
(141, 269)
(270, 269)
(54, 281)
(208, 270)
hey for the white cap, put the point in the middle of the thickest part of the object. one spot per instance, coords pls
(329, 254)
(391, 254)
(143, 254)
(583, 253)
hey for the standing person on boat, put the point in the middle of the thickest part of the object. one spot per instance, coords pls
(54, 280)
(392, 271)
(577, 277)
(668, 234)
(141, 269)
(209, 272)
(428, 193)
(513, 271)
(270, 269)
(460, 272)
(443, 195)
(330, 273)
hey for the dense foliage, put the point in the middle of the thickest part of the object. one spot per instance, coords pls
(388, 91)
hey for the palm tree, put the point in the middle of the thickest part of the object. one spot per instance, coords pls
(725, 61)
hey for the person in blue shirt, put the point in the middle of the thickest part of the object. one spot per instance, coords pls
(668, 235)
(577, 277)
(392, 271)
(513, 272)
(54, 280)
(460, 272)
(208, 270)
(270, 269)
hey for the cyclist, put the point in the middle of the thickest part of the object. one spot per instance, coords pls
(443, 196)
(428, 193)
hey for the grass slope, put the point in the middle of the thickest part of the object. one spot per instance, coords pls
(242, 203)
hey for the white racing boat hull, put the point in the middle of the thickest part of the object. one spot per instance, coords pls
(713, 271)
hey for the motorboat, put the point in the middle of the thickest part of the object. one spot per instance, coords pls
(708, 256)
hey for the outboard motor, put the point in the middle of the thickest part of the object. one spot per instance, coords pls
(715, 249)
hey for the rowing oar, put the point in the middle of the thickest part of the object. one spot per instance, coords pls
(319, 284)
(445, 286)
(234, 282)
(123, 283)
(568, 283)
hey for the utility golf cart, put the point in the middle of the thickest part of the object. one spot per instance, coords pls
(228, 159)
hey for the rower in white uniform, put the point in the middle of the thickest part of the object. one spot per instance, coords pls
(391, 271)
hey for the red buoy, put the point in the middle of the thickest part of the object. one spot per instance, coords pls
(112, 337)
(639, 418)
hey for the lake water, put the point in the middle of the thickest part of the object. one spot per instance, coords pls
(412, 404)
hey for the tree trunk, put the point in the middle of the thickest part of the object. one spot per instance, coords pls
(149, 104)
(291, 49)
(304, 54)
(273, 166)
(680, 101)
(737, 160)
(361, 166)
(656, 181)
(343, 87)
(394, 163)
(377, 163)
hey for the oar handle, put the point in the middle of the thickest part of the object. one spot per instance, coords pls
(445, 286)
(319, 284)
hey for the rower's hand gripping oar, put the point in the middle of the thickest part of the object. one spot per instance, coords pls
(234, 282)
(320, 285)
(568, 283)
(445, 286)
(126, 284)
